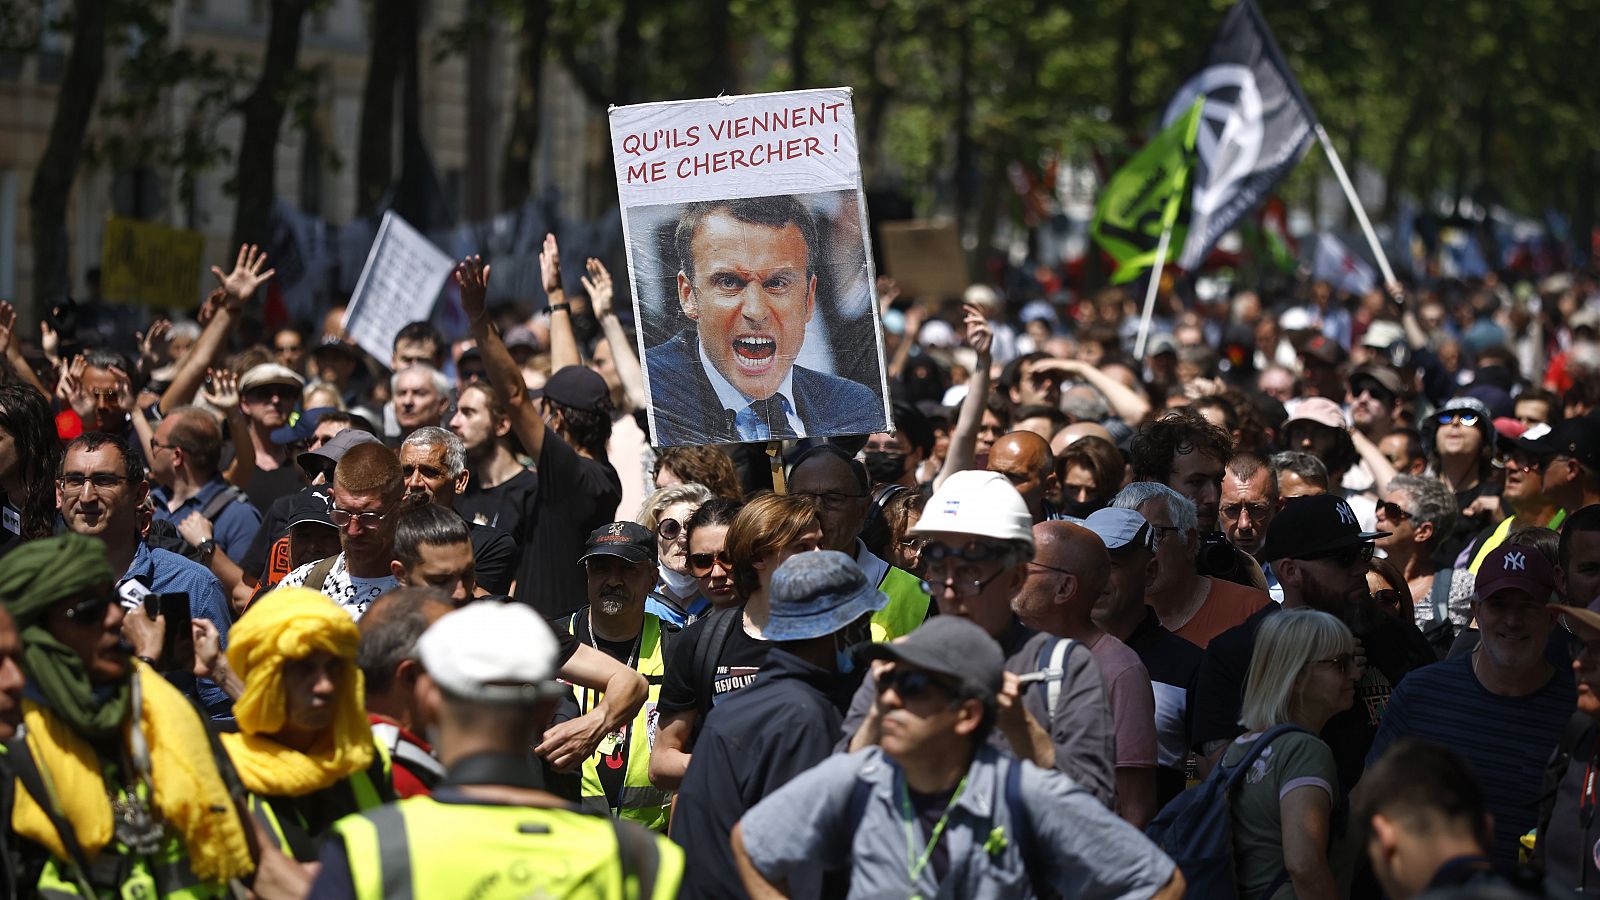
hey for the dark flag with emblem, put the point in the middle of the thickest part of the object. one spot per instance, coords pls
(1255, 126)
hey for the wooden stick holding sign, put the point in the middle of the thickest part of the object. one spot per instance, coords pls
(775, 456)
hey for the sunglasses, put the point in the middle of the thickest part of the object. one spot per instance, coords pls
(343, 517)
(1470, 420)
(90, 611)
(701, 564)
(912, 684)
(974, 552)
(1346, 556)
(1388, 598)
(669, 529)
(1393, 512)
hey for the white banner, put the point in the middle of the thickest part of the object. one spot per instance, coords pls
(746, 233)
(399, 285)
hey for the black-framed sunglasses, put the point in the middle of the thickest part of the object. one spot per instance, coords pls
(92, 610)
(700, 564)
(912, 684)
(669, 529)
(936, 552)
(1394, 512)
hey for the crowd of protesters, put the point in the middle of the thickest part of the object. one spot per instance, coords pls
(285, 620)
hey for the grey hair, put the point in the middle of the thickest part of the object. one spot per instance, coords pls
(184, 328)
(441, 382)
(455, 452)
(1431, 501)
(654, 505)
(1085, 403)
(1179, 508)
(392, 638)
(1310, 469)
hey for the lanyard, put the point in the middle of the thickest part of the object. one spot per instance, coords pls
(915, 863)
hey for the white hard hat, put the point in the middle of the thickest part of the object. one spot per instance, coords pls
(978, 503)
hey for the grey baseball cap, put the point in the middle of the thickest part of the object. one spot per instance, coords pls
(1119, 529)
(327, 456)
(954, 648)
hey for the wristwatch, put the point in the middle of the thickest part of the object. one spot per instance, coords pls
(207, 547)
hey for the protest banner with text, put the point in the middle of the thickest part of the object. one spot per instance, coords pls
(751, 268)
(399, 285)
(150, 264)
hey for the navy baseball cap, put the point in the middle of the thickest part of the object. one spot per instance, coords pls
(1309, 527)
(576, 386)
(305, 425)
(1578, 438)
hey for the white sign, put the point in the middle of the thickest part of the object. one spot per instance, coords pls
(751, 268)
(399, 285)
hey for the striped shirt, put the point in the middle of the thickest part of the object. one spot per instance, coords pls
(1506, 740)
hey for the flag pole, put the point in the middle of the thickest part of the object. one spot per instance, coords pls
(1150, 292)
(1355, 203)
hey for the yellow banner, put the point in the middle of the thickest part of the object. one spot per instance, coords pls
(150, 264)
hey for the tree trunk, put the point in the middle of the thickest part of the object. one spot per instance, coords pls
(256, 181)
(516, 171)
(716, 64)
(964, 176)
(375, 143)
(58, 166)
(1122, 102)
(479, 197)
(875, 101)
(1581, 236)
(799, 40)
(1394, 177)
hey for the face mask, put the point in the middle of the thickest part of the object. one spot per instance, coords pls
(885, 467)
(844, 658)
(1080, 509)
(679, 583)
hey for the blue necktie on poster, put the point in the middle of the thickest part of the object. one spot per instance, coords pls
(752, 421)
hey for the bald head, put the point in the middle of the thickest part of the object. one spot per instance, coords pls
(1074, 548)
(1025, 460)
(1076, 430)
(1068, 574)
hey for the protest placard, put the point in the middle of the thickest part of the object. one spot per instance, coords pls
(925, 259)
(150, 264)
(748, 253)
(398, 286)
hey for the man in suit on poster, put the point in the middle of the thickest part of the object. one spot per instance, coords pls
(747, 280)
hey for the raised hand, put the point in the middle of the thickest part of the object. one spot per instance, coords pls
(241, 283)
(69, 388)
(472, 277)
(152, 342)
(49, 342)
(598, 285)
(221, 390)
(888, 292)
(207, 644)
(980, 336)
(123, 390)
(212, 303)
(550, 266)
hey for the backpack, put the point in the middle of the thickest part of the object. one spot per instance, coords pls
(1196, 827)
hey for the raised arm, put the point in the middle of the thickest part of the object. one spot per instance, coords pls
(602, 298)
(1129, 405)
(563, 340)
(238, 287)
(472, 277)
(222, 392)
(13, 349)
(964, 437)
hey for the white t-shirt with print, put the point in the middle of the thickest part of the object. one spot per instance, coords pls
(352, 593)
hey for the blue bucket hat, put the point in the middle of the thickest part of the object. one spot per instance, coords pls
(816, 594)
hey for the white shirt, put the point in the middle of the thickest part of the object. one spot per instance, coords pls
(350, 592)
(731, 398)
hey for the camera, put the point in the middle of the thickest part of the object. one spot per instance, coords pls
(1216, 556)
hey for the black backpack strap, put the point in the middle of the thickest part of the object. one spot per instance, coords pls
(27, 770)
(221, 501)
(638, 856)
(709, 650)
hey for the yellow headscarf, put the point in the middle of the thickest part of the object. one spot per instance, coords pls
(292, 623)
(189, 792)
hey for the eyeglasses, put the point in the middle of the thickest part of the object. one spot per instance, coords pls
(1394, 512)
(669, 529)
(973, 552)
(162, 445)
(912, 684)
(1470, 420)
(913, 545)
(830, 500)
(1257, 511)
(102, 481)
(1051, 568)
(701, 564)
(90, 611)
(1388, 598)
(342, 517)
(1161, 530)
(1344, 557)
(1516, 464)
(1344, 661)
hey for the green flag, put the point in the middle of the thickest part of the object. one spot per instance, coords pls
(1144, 197)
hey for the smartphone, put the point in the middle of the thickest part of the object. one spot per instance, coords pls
(179, 655)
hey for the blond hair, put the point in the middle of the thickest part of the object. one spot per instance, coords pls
(1285, 644)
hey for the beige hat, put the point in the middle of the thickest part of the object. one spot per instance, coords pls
(270, 373)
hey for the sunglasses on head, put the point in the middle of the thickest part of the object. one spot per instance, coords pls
(1470, 420)
(700, 564)
(912, 684)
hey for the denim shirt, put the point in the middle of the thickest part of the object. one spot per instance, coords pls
(169, 573)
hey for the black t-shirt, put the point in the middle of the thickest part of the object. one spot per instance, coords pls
(576, 495)
(1174, 666)
(274, 525)
(503, 506)
(736, 666)
(930, 808)
(1393, 648)
(1568, 846)
(264, 488)
(494, 558)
